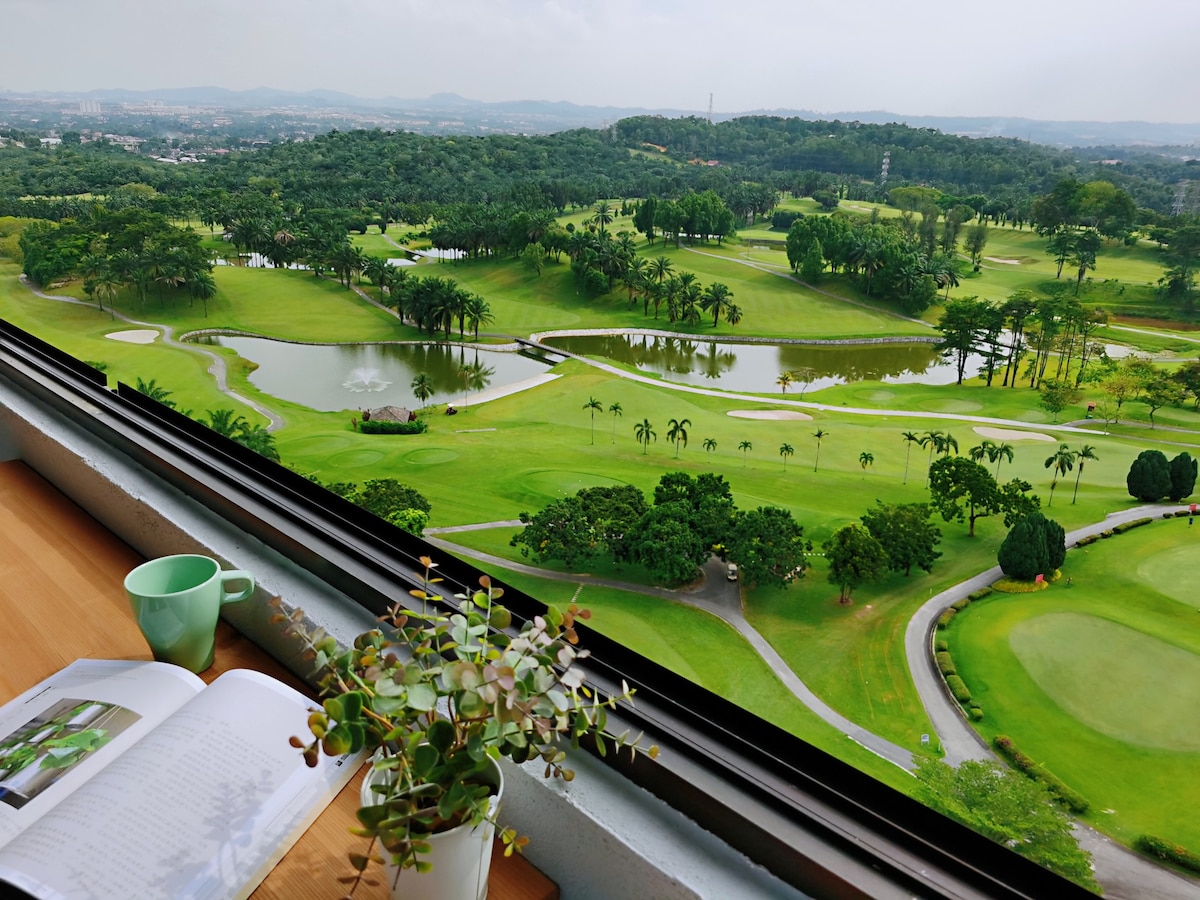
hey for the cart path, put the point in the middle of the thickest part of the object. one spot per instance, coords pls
(216, 366)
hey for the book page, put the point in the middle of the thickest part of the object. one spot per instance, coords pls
(199, 808)
(64, 730)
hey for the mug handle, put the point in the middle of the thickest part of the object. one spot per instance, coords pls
(235, 596)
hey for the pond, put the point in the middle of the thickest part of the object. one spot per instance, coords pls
(350, 376)
(756, 367)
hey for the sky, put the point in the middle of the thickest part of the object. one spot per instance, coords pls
(1107, 60)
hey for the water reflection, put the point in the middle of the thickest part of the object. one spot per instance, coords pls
(349, 376)
(756, 367)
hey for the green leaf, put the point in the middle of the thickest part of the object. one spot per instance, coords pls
(441, 735)
(422, 697)
(335, 709)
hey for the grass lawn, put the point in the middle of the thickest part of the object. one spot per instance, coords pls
(1098, 681)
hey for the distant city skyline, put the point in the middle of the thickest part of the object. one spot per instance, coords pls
(1067, 60)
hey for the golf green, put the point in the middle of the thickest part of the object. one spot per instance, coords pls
(560, 482)
(1172, 573)
(1123, 683)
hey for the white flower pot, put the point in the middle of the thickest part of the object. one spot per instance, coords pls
(461, 857)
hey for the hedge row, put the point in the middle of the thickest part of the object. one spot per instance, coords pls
(1125, 526)
(979, 594)
(946, 616)
(941, 645)
(1089, 539)
(944, 663)
(373, 426)
(1067, 797)
(1165, 850)
(958, 688)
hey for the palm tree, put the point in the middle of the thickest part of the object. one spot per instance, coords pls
(710, 444)
(677, 431)
(733, 314)
(1087, 451)
(422, 387)
(865, 459)
(745, 447)
(615, 409)
(645, 434)
(1063, 461)
(478, 312)
(475, 376)
(716, 298)
(784, 379)
(909, 439)
(202, 286)
(786, 450)
(225, 422)
(155, 391)
(594, 406)
(660, 269)
(998, 453)
(818, 434)
(603, 215)
(979, 451)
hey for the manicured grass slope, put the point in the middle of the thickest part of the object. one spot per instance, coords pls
(1099, 681)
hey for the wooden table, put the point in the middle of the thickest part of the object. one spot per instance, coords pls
(62, 598)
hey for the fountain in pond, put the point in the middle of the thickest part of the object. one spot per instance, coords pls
(363, 380)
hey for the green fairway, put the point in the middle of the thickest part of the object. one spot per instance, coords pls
(1096, 678)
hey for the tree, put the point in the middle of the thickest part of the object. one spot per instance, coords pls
(745, 447)
(1024, 554)
(909, 439)
(960, 488)
(716, 297)
(677, 432)
(975, 240)
(422, 387)
(666, 545)
(819, 434)
(960, 324)
(1149, 477)
(1161, 390)
(1062, 461)
(1183, 476)
(384, 496)
(155, 391)
(559, 531)
(710, 444)
(785, 450)
(645, 433)
(616, 412)
(866, 459)
(1083, 454)
(1083, 254)
(768, 546)
(906, 534)
(1008, 808)
(603, 215)
(1057, 394)
(593, 406)
(784, 380)
(813, 264)
(855, 557)
(475, 377)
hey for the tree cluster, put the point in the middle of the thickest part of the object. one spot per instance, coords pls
(1034, 546)
(1151, 477)
(671, 536)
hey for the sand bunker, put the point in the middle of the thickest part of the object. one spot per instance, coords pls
(1004, 434)
(1003, 261)
(767, 414)
(136, 336)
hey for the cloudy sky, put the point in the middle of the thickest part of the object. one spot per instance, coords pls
(1046, 59)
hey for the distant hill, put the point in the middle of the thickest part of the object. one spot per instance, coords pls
(548, 116)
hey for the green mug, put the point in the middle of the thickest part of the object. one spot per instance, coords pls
(176, 600)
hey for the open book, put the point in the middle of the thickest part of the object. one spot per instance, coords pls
(134, 779)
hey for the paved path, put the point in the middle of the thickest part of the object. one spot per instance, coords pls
(1158, 334)
(216, 366)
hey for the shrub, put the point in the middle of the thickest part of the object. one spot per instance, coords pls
(1171, 515)
(962, 604)
(945, 664)
(1089, 539)
(1024, 555)
(371, 426)
(1069, 798)
(1107, 533)
(1165, 850)
(942, 646)
(1183, 476)
(976, 713)
(1149, 478)
(946, 616)
(1013, 586)
(1136, 523)
(958, 688)
(979, 594)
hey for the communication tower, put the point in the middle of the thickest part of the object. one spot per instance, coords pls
(1181, 191)
(887, 161)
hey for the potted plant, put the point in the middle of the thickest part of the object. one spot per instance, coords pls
(440, 698)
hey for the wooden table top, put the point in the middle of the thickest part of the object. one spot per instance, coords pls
(51, 554)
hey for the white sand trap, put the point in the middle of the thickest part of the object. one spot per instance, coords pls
(767, 414)
(1004, 434)
(397, 261)
(136, 336)
(504, 390)
(1003, 261)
